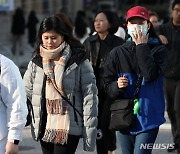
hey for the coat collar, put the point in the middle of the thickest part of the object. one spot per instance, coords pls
(108, 40)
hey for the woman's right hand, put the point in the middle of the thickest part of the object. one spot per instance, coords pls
(122, 82)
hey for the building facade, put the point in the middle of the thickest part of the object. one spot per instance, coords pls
(50, 6)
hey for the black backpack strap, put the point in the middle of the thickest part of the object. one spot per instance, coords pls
(69, 102)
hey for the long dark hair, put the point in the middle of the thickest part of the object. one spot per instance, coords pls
(80, 24)
(67, 22)
(55, 23)
(152, 33)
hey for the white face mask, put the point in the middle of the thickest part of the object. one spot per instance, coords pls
(142, 28)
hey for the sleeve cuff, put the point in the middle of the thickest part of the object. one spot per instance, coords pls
(15, 134)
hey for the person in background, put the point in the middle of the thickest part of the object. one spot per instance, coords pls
(154, 19)
(121, 31)
(98, 47)
(31, 25)
(142, 54)
(17, 30)
(61, 86)
(170, 35)
(81, 28)
(13, 108)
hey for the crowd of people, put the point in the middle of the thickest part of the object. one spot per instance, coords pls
(78, 70)
(18, 27)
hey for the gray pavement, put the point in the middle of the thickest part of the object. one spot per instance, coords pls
(29, 146)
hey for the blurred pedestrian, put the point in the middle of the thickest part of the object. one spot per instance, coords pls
(13, 108)
(154, 19)
(98, 47)
(121, 21)
(121, 31)
(141, 55)
(17, 30)
(31, 25)
(81, 28)
(170, 34)
(61, 86)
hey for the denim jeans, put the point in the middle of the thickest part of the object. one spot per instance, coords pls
(138, 144)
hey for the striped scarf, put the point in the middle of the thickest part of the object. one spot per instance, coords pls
(57, 126)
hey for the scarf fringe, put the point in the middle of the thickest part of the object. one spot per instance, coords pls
(54, 106)
(56, 136)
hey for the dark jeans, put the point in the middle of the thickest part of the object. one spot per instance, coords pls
(69, 148)
(134, 144)
(108, 141)
(172, 94)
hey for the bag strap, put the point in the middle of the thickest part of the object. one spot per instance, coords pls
(138, 82)
(69, 102)
(138, 85)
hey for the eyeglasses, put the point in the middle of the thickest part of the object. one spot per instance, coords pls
(176, 10)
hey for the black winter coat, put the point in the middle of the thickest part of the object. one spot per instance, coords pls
(98, 55)
(172, 34)
(92, 47)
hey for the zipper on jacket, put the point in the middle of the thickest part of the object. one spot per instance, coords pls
(75, 114)
(43, 108)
